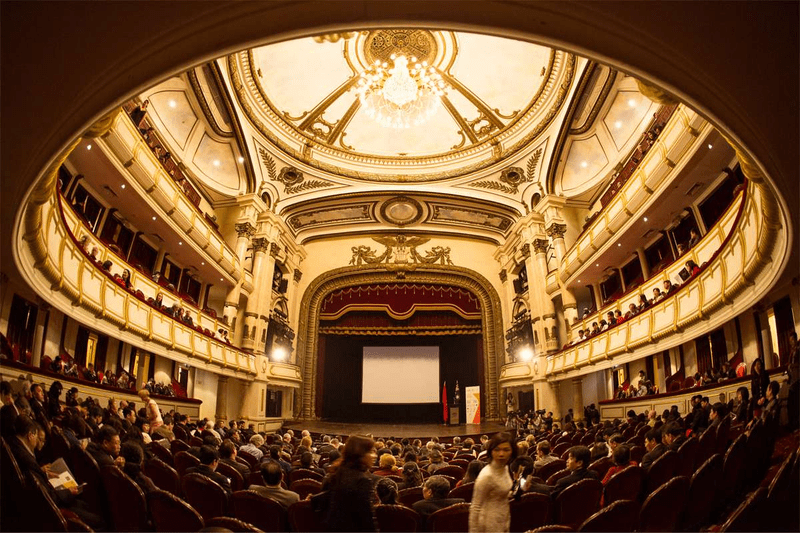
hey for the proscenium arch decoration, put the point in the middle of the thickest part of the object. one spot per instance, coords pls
(322, 286)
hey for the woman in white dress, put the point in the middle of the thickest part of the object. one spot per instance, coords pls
(490, 510)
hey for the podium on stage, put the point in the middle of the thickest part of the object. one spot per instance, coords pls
(455, 417)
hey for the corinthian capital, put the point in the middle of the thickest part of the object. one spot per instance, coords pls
(245, 229)
(260, 244)
(540, 246)
(556, 231)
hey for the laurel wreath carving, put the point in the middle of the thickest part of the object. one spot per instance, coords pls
(310, 184)
(533, 162)
(302, 184)
(269, 163)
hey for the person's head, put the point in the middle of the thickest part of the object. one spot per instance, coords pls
(502, 448)
(742, 394)
(5, 392)
(621, 455)
(704, 401)
(578, 458)
(271, 472)
(436, 456)
(667, 285)
(435, 488)
(411, 474)
(108, 439)
(792, 339)
(37, 391)
(656, 292)
(28, 431)
(632, 307)
(772, 390)
(133, 454)
(387, 460)
(209, 456)
(306, 459)
(473, 469)
(358, 452)
(610, 315)
(522, 464)
(142, 424)
(227, 450)
(386, 489)
(651, 439)
(599, 451)
(543, 449)
(758, 366)
(257, 440)
(617, 313)
(642, 299)
(126, 274)
(144, 394)
(690, 265)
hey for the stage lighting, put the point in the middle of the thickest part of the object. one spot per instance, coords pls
(278, 353)
(525, 354)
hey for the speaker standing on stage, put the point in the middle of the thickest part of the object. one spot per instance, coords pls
(490, 510)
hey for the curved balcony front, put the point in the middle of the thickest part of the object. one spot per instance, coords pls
(53, 263)
(745, 253)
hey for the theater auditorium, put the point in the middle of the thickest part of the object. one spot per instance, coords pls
(399, 266)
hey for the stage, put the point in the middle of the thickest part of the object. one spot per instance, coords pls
(411, 431)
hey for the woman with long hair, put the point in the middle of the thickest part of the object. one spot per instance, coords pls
(741, 406)
(758, 386)
(473, 469)
(350, 506)
(411, 474)
(490, 509)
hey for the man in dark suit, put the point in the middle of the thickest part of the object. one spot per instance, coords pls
(209, 459)
(673, 436)
(655, 448)
(435, 491)
(578, 460)
(106, 450)
(272, 473)
(227, 455)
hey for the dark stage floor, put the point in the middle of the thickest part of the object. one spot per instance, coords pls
(393, 430)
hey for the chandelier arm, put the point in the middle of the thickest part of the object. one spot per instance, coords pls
(491, 116)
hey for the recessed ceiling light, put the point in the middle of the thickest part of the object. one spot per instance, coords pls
(632, 102)
(241, 159)
(154, 218)
(216, 162)
(645, 219)
(597, 264)
(173, 104)
(619, 244)
(202, 263)
(618, 124)
(122, 186)
(88, 146)
(584, 164)
(221, 279)
(578, 281)
(180, 243)
(710, 146)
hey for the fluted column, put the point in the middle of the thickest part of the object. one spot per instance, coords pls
(577, 398)
(548, 331)
(644, 263)
(244, 232)
(556, 233)
(251, 314)
(570, 305)
(222, 398)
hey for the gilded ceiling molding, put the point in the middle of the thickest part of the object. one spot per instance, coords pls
(292, 178)
(512, 177)
(194, 83)
(401, 211)
(401, 250)
(332, 214)
(561, 67)
(325, 284)
(333, 37)
(456, 215)
(598, 104)
(656, 94)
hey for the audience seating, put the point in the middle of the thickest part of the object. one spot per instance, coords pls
(453, 471)
(184, 461)
(452, 519)
(304, 473)
(195, 441)
(231, 524)
(622, 515)
(47, 516)
(601, 466)
(161, 452)
(163, 476)
(624, 485)
(450, 479)
(705, 482)
(637, 453)
(723, 435)
(58, 442)
(662, 509)
(126, 500)
(661, 471)
(733, 466)
(558, 475)
(304, 487)
(178, 446)
(260, 511)
(708, 443)
(409, 497)
(257, 479)
(463, 463)
(578, 502)
(749, 516)
(169, 513)
(12, 484)
(396, 518)
(551, 527)
(249, 457)
(85, 469)
(688, 457)
(235, 477)
(463, 491)
(560, 448)
(303, 519)
(550, 468)
(532, 510)
(205, 495)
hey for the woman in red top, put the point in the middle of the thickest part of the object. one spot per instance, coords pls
(622, 460)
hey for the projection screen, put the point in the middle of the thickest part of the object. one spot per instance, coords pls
(400, 374)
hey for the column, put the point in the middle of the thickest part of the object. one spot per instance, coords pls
(556, 233)
(260, 247)
(162, 253)
(577, 398)
(644, 263)
(570, 305)
(40, 333)
(548, 333)
(598, 296)
(244, 232)
(556, 407)
(222, 398)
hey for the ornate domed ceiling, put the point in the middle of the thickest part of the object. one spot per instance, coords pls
(499, 95)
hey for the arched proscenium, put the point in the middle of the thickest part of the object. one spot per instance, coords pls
(491, 319)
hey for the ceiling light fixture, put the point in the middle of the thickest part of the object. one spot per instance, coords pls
(710, 146)
(632, 102)
(154, 218)
(645, 219)
(172, 104)
(402, 95)
(618, 124)
(584, 164)
(216, 162)
(202, 263)
(180, 243)
(122, 186)
(88, 146)
(241, 159)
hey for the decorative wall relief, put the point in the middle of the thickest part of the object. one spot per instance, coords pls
(400, 250)
(512, 177)
(292, 178)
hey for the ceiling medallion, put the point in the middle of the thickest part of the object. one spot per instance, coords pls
(381, 45)
(401, 211)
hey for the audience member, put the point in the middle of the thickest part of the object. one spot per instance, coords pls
(434, 493)
(209, 459)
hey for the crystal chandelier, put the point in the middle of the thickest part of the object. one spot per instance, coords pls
(405, 95)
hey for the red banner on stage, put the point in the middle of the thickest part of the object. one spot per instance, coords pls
(446, 413)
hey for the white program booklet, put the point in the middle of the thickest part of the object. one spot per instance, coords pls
(64, 478)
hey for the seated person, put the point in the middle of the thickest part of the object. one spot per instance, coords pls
(388, 465)
(578, 460)
(655, 448)
(105, 449)
(621, 456)
(644, 303)
(386, 491)
(543, 455)
(692, 268)
(669, 288)
(272, 473)
(434, 491)
(632, 311)
(611, 319)
(227, 455)
(307, 463)
(618, 316)
(673, 435)
(437, 461)
(89, 374)
(209, 459)
(657, 295)
(772, 407)
(595, 329)
(253, 446)
(134, 460)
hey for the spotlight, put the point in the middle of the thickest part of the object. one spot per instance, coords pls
(279, 353)
(526, 354)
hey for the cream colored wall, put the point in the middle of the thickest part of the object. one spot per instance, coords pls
(162, 370)
(205, 389)
(594, 389)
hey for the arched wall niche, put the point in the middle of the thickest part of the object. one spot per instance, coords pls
(322, 286)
